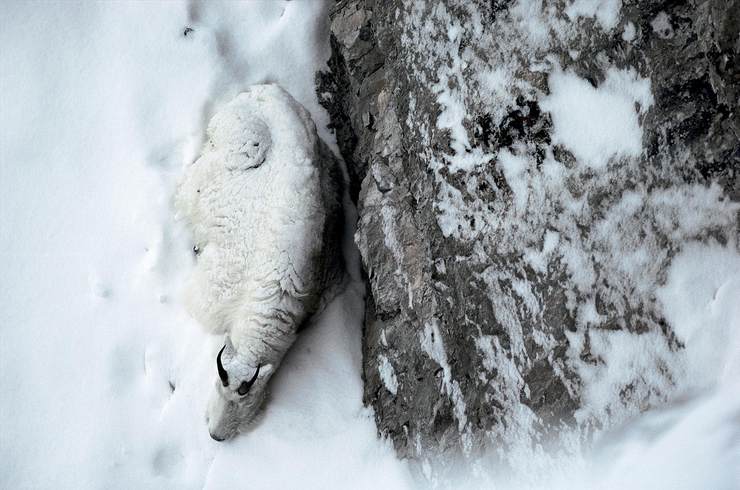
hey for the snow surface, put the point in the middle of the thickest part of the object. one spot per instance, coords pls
(105, 377)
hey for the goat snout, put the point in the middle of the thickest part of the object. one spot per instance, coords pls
(217, 437)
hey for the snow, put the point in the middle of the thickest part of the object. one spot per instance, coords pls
(105, 377)
(606, 12)
(629, 32)
(598, 124)
(538, 259)
(433, 345)
(701, 301)
(515, 170)
(451, 118)
(695, 441)
(534, 19)
(387, 374)
(692, 445)
(661, 25)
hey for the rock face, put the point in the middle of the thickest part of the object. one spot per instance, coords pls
(524, 173)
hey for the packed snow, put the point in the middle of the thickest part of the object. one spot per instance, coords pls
(105, 377)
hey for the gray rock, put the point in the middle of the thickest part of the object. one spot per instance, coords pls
(496, 250)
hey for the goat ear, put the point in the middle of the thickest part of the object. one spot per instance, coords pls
(227, 343)
(267, 369)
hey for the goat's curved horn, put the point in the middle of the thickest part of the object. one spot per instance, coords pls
(246, 385)
(221, 371)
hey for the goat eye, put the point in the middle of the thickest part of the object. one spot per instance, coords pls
(248, 148)
(243, 388)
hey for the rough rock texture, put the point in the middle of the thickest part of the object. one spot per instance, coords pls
(505, 255)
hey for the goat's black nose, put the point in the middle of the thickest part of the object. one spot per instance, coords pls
(216, 437)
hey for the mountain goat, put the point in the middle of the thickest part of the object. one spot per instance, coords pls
(263, 202)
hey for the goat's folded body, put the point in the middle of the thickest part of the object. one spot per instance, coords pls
(264, 205)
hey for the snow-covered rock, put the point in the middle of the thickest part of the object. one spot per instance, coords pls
(529, 175)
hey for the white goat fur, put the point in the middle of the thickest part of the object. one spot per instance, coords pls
(264, 205)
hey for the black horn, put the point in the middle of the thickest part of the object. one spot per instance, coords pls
(221, 371)
(244, 387)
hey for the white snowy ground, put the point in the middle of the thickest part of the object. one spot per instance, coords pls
(101, 106)
(104, 377)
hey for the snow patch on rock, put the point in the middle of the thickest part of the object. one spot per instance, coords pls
(598, 124)
(701, 299)
(433, 344)
(606, 12)
(387, 374)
